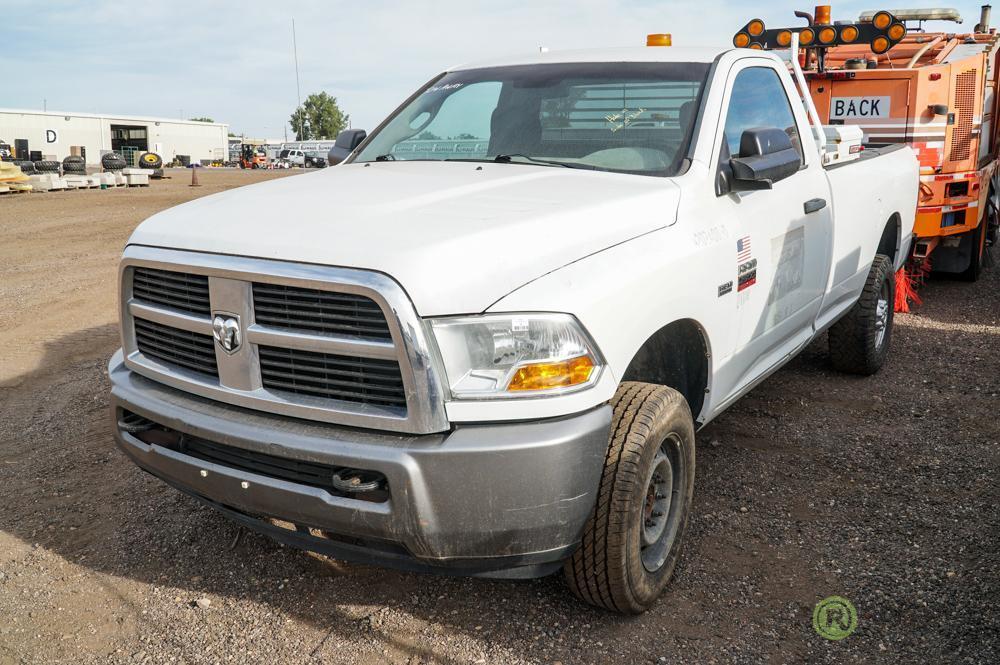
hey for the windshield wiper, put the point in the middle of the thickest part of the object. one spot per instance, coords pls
(509, 158)
(385, 158)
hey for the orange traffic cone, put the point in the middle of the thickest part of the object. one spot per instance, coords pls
(194, 178)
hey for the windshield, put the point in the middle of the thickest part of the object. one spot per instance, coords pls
(625, 117)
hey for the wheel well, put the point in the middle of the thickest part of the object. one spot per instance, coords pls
(890, 241)
(675, 356)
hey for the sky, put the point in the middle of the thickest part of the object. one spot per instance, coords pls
(233, 61)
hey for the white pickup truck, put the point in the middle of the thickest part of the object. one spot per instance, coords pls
(491, 359)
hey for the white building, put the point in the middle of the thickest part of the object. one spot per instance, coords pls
(54, 133)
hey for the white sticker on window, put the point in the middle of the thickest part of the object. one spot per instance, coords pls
(859, 107)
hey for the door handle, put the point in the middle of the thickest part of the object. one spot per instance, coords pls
(814, 205)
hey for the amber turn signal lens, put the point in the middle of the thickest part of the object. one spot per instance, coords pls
(880, 45)
(784, 38)
(756, 47)
(849, 34)
(741, 40)
(896, 31)
(827, 35)
(659, 39)
(806, 37)
(755, 27)
(882, 20)
(544, 376)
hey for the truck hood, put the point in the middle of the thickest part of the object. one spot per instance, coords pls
(458, 236)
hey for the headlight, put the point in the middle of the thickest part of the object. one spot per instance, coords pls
(516, 355)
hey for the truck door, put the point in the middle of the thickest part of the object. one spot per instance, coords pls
(782, 252)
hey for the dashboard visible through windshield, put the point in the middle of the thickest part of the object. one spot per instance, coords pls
(623, 117)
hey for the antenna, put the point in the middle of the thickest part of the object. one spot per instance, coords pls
(298, 90)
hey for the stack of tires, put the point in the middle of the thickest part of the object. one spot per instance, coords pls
(150, 160)
(74, 165)
(113, 161)
(27, 168)
(47, 166)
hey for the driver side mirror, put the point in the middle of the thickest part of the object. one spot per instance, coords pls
(346, 142)
(766, 157)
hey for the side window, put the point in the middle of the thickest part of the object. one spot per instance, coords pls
(758, 100)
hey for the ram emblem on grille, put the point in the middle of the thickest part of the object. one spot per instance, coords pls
(226, 330)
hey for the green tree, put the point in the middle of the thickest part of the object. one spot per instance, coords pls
(201, 120)
(324, 116)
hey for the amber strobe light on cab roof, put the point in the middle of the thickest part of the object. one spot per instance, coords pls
(882, 33)
(659, 39)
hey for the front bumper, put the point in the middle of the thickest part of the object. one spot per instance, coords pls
(493, 499)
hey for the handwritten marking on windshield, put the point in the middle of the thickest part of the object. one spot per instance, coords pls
(622, 120)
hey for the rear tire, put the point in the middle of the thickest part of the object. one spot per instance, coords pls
(632, 540)
(975, 269)
(859, 341)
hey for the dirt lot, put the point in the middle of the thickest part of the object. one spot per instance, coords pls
(883, 490)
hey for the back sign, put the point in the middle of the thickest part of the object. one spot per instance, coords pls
(842, 108)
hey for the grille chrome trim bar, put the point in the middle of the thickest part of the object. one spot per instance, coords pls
(171, 317)
(268, 336)
(410, 346)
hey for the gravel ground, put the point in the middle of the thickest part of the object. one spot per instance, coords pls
(883, 490)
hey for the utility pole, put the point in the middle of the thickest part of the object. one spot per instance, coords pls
(298, 89)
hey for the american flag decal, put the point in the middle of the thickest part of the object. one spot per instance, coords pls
(743, 249)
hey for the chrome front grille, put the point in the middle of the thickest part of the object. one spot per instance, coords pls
(324, 312)
(179, 290)
(330, 344)
(177, 347)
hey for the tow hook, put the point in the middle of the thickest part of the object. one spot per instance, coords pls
(356, 481)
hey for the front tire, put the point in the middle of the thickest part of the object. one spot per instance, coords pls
(859, 341)
(632, 540)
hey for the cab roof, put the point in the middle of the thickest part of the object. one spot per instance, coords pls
(630, 54)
